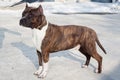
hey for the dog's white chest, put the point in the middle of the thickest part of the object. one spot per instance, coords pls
(38, 36)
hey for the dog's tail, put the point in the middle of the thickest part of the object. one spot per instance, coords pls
(99, 44)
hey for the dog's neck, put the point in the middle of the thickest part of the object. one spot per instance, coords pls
(44, 23)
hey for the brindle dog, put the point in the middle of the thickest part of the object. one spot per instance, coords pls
(56, 38)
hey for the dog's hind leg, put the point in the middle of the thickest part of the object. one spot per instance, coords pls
(93, 52)
(99, 60)
(83, 51)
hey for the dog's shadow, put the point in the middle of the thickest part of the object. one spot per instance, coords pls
(69, 55)
(72, 55)
(2, 34)
(28, 51)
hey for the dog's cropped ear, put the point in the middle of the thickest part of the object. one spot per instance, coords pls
(26, 5)
(40, 9)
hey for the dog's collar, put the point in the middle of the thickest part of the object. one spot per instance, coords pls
(39, 27)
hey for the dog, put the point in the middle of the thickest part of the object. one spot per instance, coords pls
(49, 38)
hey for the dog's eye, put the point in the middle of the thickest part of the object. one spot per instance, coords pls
(30, 15)
(24, 14)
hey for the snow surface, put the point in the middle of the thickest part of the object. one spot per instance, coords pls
(72, 7)
(83, 7)
(8, 2)
(18, 59)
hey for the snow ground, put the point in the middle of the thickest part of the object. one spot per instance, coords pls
(8, 2)
(72, 7)
(18, 59)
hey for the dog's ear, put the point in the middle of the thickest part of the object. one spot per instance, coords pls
(26, 5)
(40, 9)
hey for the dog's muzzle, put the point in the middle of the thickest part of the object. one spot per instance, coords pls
(22, 22)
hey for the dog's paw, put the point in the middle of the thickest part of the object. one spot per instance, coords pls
(98, 71)
(43, 74)
(38, 71)
(84, 66)
(44, 71)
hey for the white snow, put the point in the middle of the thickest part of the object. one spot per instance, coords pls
(4, 3)
(82, 7)
(72, 7)
(18, 58)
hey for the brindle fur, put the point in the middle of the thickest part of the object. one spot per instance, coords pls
(62, 37)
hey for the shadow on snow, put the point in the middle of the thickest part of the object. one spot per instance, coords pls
(113, 75)
(2, 34)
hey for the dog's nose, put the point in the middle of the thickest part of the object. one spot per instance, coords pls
(21, 22)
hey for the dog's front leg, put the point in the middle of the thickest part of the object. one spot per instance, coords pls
(40, 63)
(44, 64)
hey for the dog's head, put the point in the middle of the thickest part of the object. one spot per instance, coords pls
(33, 17)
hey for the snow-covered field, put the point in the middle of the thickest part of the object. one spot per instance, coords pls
(72, 7)
(18, 59)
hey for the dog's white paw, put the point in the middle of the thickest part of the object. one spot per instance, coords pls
(43, 74)
(38, 71)
(44, 71)
(84, 66)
